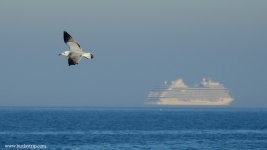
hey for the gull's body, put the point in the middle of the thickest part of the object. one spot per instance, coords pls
(75, 52)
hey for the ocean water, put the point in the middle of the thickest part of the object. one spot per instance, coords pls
(133, 128)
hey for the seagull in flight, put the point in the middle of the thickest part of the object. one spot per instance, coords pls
(75, 52)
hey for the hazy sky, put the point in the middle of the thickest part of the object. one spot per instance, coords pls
(138, 44)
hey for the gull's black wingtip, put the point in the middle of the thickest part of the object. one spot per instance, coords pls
(71, 62)
(66, 36)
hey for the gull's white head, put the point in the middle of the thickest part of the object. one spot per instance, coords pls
(65, 53)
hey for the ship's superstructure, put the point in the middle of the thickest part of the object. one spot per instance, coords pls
(208, 92)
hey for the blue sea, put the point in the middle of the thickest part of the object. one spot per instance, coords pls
(133, 128)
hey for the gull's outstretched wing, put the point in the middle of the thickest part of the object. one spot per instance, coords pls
(73, 45)
(74, 59)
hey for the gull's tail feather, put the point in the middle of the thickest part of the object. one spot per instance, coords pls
(88, 55)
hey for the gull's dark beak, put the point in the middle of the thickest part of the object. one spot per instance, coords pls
(92, 56)
(59, 54)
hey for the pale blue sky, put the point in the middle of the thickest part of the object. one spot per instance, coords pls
(138, 44)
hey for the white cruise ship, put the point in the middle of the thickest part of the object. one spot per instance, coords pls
(208, 92)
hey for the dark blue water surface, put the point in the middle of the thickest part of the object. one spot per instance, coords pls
(134, 128)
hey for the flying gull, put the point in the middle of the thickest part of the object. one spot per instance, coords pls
(75, 52)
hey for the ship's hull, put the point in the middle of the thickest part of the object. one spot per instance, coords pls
(175, 101)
